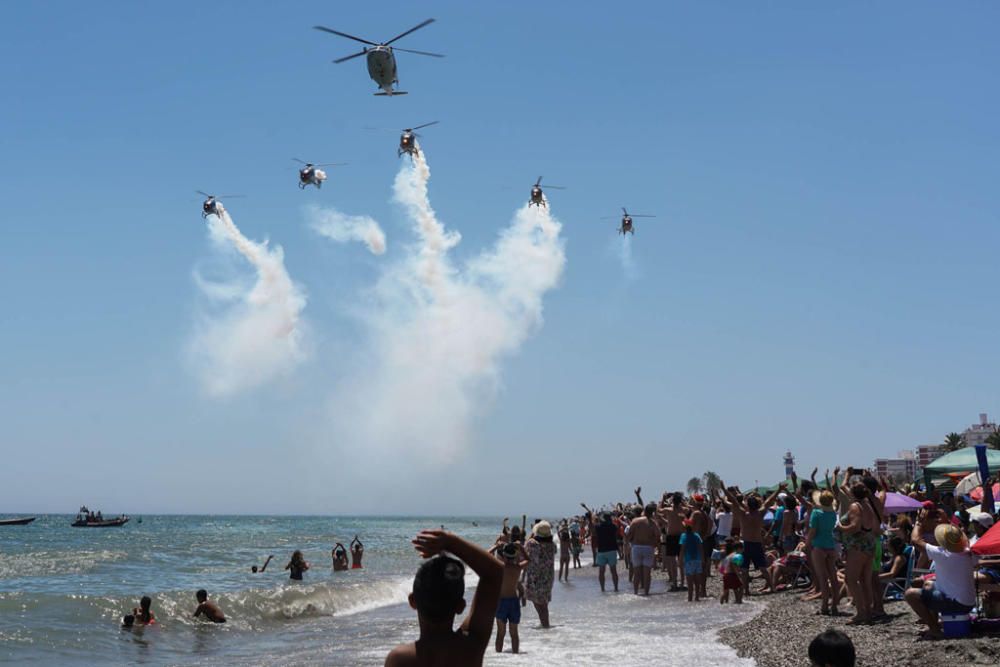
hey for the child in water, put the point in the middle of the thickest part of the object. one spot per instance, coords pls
(564, 545)
(509, 609)
(729, 568)
(439, 595)
(691, 548)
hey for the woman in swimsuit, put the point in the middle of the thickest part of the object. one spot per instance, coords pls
(859, 535)
(296, 566)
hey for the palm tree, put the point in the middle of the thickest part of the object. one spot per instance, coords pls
(694, 485)
(712, 482)
(993, 439)
(952, 442)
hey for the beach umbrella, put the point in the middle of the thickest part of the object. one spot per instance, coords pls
(897, 503)
(962, 461)
(968, 483)
(988, 544)
(977, 493)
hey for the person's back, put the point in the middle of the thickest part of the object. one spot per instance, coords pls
(438, 596)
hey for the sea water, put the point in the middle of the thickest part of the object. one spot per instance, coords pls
(63, 592)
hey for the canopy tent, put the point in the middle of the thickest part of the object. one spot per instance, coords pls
(962, 461)
(897, 503)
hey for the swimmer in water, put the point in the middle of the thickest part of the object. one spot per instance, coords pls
(296, 566)
(339, 555)
(253, 568)
(210, 610)
(143, 615)
(357, 553)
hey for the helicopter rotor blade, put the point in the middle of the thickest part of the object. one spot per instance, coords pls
(343, 34)
(299, 161)
(401, 35)
(330, 164)
(641, 215)
(421, 53)
(353, 55)
(203, 194)
(230, 197)
(555, 187)
(538, 182)
(411, 129)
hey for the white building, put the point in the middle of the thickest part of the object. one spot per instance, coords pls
(977, 433)
(904, 466)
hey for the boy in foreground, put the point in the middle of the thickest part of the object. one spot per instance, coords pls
(439, 595)
(509, 609)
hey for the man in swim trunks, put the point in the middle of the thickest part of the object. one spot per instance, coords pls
(210, 610)
(751, 518)
(644, 534)
(357, 553)
(606, 539)
(509, 608)
(673, 518)
(705, 527)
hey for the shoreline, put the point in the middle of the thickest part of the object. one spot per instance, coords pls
(779, 636)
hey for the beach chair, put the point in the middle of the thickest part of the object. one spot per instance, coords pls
(897, 586)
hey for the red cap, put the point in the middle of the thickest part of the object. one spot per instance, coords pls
(698, 498)
(688, 522)
(929, 505)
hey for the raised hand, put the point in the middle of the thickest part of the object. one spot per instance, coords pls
(431, 542)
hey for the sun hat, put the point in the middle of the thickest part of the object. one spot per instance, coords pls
(542, 529)
(983, 519)
(950, 537)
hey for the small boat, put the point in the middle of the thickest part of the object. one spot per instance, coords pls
(17, 522)
(88, 519)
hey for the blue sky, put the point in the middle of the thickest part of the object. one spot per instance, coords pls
(819, 277)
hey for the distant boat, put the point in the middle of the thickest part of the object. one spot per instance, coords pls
(88, 519)
(17, 522)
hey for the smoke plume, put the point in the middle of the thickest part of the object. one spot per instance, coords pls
(340, 227)
(252, 333)
(629, 269)
(440, 330)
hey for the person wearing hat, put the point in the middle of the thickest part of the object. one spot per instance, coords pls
(953, 590)
(981, 523)
(509, 608)
(540, 574)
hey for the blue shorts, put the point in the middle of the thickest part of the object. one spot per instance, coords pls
(642, 555)
(692, 568)
(753, 552)
(607, 558)
(509, 610)
(937, 602)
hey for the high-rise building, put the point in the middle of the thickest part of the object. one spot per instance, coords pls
(977, 433)
(927, 453)
(905, 467)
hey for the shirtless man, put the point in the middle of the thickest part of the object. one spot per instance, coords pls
(673, 517)
(751, 518)
(339, 555)
(439, 595)
(357, 553)
(509, 609)
(644, 534)
(208, 609)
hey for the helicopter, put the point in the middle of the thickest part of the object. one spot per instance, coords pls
(381, 61)
(537, 198)
(212, 205)
(408, 142)
(310, 175)
(626, 227)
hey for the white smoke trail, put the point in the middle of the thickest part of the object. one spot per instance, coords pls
(629, 268)
(257, 333)
(340, 227)
(439, 332)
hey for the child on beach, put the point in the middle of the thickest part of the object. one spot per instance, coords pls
(574, 543)
(142, 614)
(729, 568)
(564, 544)
(509, 609)
(439, 595)
(691, 548)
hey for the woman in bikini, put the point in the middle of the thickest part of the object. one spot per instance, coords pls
(859, 535)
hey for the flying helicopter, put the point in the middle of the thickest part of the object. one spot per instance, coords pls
(537, 198)
(626, 226)
(310, 175)
(408, 141)
(381, 61)
(212, 205)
